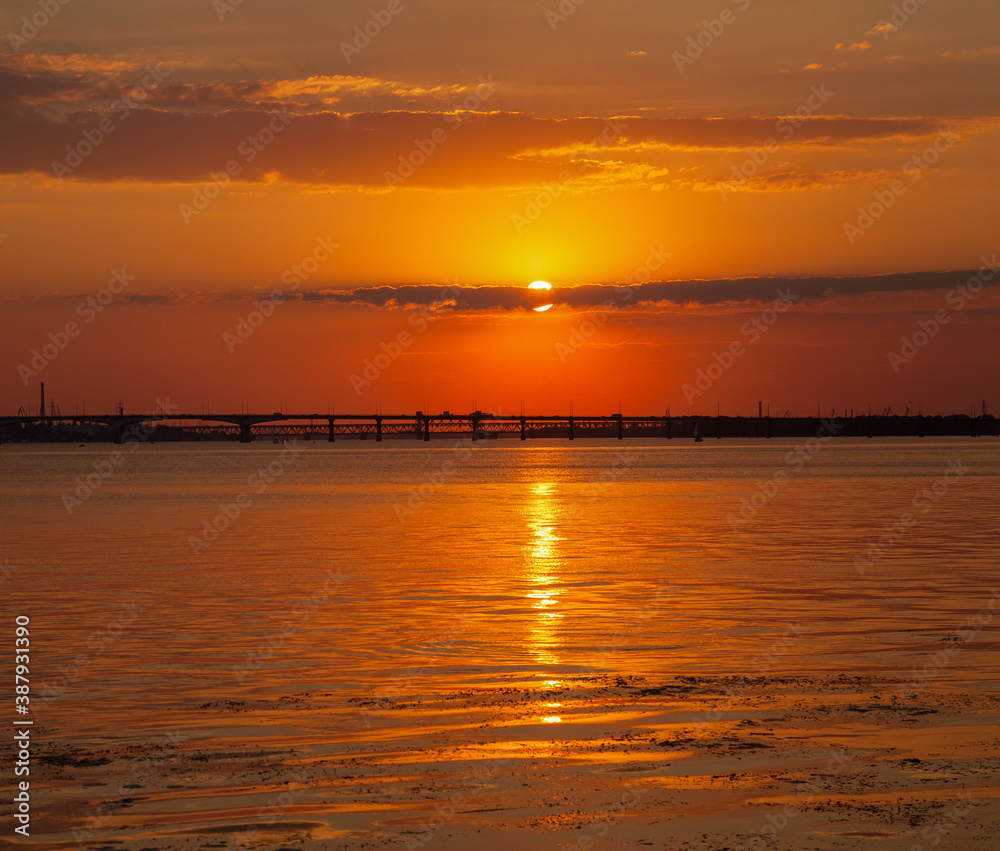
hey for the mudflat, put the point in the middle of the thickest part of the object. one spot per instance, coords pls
(690, 762)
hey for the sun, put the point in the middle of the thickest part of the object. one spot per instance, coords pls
(544, 286)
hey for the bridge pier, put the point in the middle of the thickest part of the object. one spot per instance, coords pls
(330, 433)
(669, 435)
(621, 427)
(378, 429)
(570, 428)
(427, 429)
(245, 433)
(522, 429)
(475, 428)
(118, 432)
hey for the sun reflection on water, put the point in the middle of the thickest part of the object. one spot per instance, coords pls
(542, 572)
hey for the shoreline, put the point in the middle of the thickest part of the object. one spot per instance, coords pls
(701, 762)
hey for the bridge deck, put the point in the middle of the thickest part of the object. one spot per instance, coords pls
(248, 427)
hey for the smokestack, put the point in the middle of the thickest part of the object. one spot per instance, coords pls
(41, 410)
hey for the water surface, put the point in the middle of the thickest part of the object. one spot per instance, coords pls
(361, 568)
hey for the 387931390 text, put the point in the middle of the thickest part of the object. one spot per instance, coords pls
(22, 727)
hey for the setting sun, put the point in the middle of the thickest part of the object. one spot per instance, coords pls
(544, 286)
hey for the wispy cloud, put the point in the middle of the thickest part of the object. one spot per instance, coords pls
(716, 292)
(492, 149)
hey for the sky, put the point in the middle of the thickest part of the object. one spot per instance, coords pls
(320, 206)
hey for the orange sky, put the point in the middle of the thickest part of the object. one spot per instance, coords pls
(686, 152)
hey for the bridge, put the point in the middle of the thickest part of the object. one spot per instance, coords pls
(248, 427)
(477, 425)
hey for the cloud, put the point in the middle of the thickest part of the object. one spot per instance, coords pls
(310, 95)
(485, 299)
(73, 63)
(90, 82)
(763, 289)
(881, 29)
(181, 131)
(369, 149)
(657, 293)
(791, 181)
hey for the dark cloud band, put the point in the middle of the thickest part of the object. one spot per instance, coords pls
(676, 293)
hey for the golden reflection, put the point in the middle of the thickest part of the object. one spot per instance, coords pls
(551, 719)
(542, 573)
